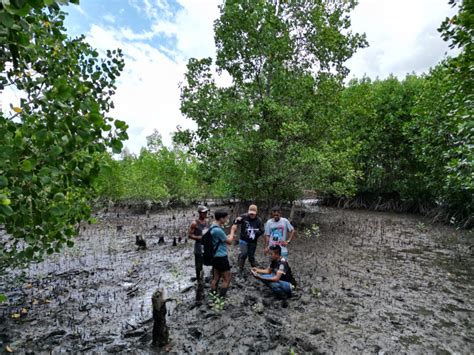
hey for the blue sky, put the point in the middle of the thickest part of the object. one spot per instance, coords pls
(159, 36)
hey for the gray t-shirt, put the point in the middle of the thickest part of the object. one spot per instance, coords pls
(199, 231)
(277, 231)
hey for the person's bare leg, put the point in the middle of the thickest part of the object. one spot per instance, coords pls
(225, 283)
(215, 279)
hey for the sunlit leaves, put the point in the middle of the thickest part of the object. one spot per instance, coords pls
(49, 140)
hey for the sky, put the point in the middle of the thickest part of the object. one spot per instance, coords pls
(159, 36)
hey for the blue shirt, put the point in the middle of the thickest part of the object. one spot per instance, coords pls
(218, 234)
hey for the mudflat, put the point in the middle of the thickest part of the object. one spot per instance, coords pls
(369, 282)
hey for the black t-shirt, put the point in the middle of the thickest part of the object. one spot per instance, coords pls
(250, 229)
(281, 265)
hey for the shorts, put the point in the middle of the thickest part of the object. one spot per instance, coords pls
(221, 263)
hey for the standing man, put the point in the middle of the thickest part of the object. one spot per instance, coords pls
(278, 231)
(195, 233)
(220, 262)
(251, 227)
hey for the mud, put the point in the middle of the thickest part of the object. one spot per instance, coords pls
(369, 282)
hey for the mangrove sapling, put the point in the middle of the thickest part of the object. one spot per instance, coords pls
(312, 231)
(421, 227)
(217, 303)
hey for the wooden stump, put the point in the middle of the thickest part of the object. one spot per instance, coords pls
(160, 329)
(200, 287)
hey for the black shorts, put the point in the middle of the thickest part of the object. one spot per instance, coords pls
(221, 263)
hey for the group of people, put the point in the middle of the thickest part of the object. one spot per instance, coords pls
(278, 234)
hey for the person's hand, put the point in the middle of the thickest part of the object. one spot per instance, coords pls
(284, 243)
(254, 269)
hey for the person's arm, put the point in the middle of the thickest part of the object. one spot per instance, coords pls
(291, 233)
(261, 229)
(275, 278)
(261, 271)
(266, 239)
(192, 229)
(230, 237)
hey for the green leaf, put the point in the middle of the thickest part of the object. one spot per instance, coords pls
(56, 150)
(27, 166)
(59, 197)
(3, 181)
(29, 252)
(116, 146)
(3, 298)
(6, 19)
(120, 124)
(6, 210)
(5, 201)
(57, 211)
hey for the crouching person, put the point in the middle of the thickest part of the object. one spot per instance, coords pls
(278, 276)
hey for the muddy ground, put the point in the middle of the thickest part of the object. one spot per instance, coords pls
(370, 283)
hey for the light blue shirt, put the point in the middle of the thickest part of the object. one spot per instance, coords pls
(277, 231)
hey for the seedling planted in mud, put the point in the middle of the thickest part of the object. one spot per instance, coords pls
(217, 303)
(175, 272)
(312, 232)
(316, 292)
(421, 227)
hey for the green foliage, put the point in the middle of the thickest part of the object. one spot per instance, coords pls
(273, 122)
(442, 135)
(312, 232)
(217, 302)
(48, 141)
(157, 174)
(376, 115)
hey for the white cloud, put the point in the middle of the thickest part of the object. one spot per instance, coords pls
(109, 18)
(147, 95)
(402, 36)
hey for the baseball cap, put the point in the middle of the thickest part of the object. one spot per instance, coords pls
(202, 209)
(252, 209)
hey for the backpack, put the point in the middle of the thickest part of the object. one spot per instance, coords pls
(209, 248)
